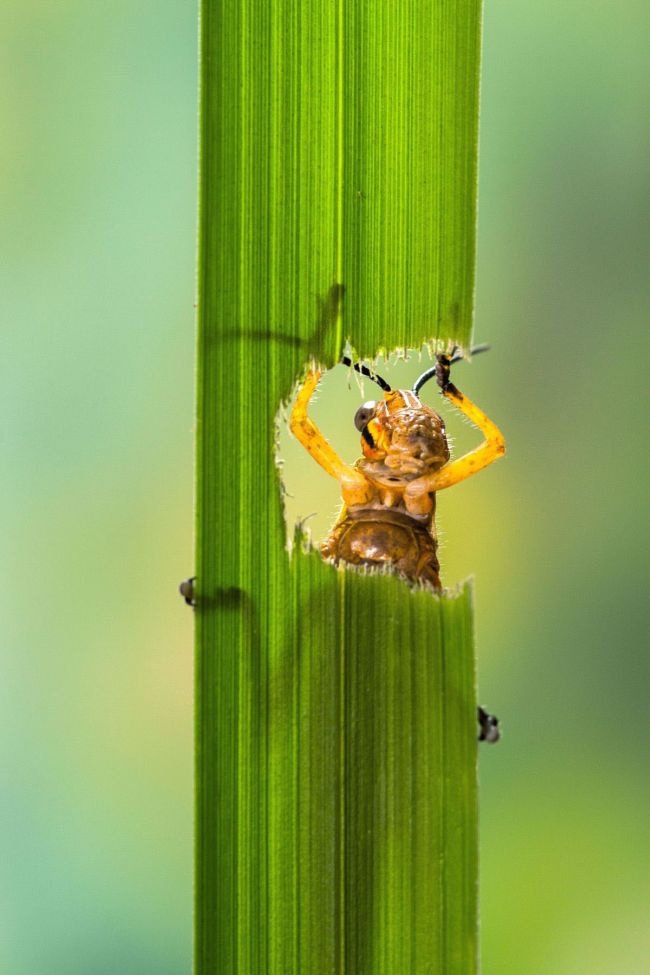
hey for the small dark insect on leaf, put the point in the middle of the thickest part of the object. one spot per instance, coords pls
(186, 590)
(489, 727)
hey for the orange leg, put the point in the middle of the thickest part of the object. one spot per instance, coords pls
(355, 488)
(417, 494)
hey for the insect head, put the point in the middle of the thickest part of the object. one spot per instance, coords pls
(400, 432)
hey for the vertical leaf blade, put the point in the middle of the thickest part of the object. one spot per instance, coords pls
(410, 113)
(335, 738)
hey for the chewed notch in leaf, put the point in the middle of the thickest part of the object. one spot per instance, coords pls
(389, 494)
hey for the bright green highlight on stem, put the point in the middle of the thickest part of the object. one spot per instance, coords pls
(335, 711)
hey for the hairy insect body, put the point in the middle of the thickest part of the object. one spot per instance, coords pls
(385, 536)
(401, 442)
(389, 494)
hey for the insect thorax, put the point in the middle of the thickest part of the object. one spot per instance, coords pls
(415, 444)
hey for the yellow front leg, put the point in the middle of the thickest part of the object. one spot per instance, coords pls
(417, 495)
(355, 488)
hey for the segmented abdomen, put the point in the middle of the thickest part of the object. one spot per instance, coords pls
(385, 536)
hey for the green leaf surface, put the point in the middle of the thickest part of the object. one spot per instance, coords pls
(335, 711)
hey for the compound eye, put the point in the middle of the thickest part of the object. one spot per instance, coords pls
(363, 415)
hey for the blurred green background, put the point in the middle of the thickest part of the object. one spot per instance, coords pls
(98, 107)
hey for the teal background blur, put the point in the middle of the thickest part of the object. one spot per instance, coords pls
(98, 107)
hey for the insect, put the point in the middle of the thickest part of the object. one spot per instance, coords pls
(389, 494)
(186, 589)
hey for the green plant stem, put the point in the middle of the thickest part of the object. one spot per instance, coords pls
(335, 712)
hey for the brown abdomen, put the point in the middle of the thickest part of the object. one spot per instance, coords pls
(384, 536)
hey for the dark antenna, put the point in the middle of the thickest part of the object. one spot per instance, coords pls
(455, 357)
(366, 372)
